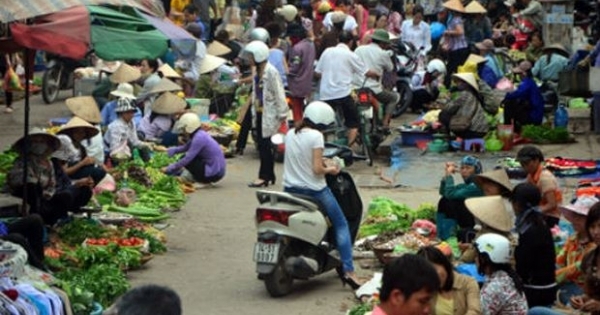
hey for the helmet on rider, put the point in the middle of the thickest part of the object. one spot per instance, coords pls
(260, 34)
(436, 65)
(496, 246)
(320, 114)
(258, 50)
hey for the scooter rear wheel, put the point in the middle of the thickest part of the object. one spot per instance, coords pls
(279, 282)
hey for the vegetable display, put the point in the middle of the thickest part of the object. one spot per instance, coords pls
(386, 215)
(545, 134)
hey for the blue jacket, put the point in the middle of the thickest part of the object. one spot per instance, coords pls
(529, 90)
(487, 74)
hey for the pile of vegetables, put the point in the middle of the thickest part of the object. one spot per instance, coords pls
(386, 215)
(545, 134)
(90, 260)
(7, 159)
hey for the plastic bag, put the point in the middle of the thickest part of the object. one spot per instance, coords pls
(12, 81)
(106, 184)
(122, 152)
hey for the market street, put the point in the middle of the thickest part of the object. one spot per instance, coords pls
(210, 241)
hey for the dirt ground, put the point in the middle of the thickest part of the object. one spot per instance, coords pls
(211, 240)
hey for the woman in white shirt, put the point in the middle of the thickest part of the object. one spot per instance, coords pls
(304, 171)
(416, 31)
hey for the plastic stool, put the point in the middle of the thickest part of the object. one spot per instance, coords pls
(475, 143)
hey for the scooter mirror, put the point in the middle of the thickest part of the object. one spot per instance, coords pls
(278, 138)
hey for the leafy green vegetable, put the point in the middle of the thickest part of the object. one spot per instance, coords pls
(105, 198)
(156, 246)
(161, 159)
(361, 309)
(77, 230)
(545, 134)
(105, 281)
(384, 214)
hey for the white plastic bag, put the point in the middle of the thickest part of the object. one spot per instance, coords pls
(122, 152)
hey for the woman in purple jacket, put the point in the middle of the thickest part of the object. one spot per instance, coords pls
(204, 161)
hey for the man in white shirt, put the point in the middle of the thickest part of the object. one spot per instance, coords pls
(336, 68)
(341, 14)
(376, 57)
(417, 32)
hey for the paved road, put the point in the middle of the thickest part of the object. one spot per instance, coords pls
(211, 240)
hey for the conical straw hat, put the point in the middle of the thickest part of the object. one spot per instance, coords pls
(454, 5)
(210, 63)
(168, 104)
(52, 140)
(469, 78)
(168, 72)
(165, 85)
(84, 107)
(217, 49)
(474, 7)
(125, 74)
(78, 123)
(476, 59)
(491, 211)
(498, 176)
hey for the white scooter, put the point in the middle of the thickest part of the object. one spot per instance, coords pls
(295, 238)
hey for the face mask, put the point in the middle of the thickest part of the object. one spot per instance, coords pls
(39, 148)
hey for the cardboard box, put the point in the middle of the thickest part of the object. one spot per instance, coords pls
(579, 120)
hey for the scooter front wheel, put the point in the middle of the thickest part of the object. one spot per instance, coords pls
(279, 282)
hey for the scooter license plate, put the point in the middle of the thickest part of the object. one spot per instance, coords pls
(266, 253)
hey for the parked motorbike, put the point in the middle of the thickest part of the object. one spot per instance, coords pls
(59, 75)
(407, 63)
(295, 240)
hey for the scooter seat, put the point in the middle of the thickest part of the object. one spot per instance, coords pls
(313, 200)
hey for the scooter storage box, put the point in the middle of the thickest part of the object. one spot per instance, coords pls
(410, 138)
(84, 86)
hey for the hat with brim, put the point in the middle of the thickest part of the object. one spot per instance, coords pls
(125, 74)
(109, 66)
(217, 49)
(77, 123)
(168, 72)
(491, 211)
(498, 176)
(165, 85)
(381, 36)
(468, 78)
(210, 63)
(84, 107)
(523, 67)
(51, 140)
(454, 5)
(557, 48)
(476, 59)
(168, 104)
(125, 105)
(474, 7)
(288, 11)
(324, 7)
(486, 44)
(124, 90)
(581, 206)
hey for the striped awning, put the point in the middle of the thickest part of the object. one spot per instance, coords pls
(25, 9)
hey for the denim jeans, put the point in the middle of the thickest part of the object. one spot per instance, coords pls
(567, 291)
(337, 218)
(540, 310)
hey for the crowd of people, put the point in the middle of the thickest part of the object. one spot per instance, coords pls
(321, 52)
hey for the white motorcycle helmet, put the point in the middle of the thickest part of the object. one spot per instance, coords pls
(260, 34)
(258, 50)
(436, 65)
(188, 123)
(496, 246)
(320, 114)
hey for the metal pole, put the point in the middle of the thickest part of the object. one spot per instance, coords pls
(28, 71)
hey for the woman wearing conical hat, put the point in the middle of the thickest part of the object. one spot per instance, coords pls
(466, 105)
